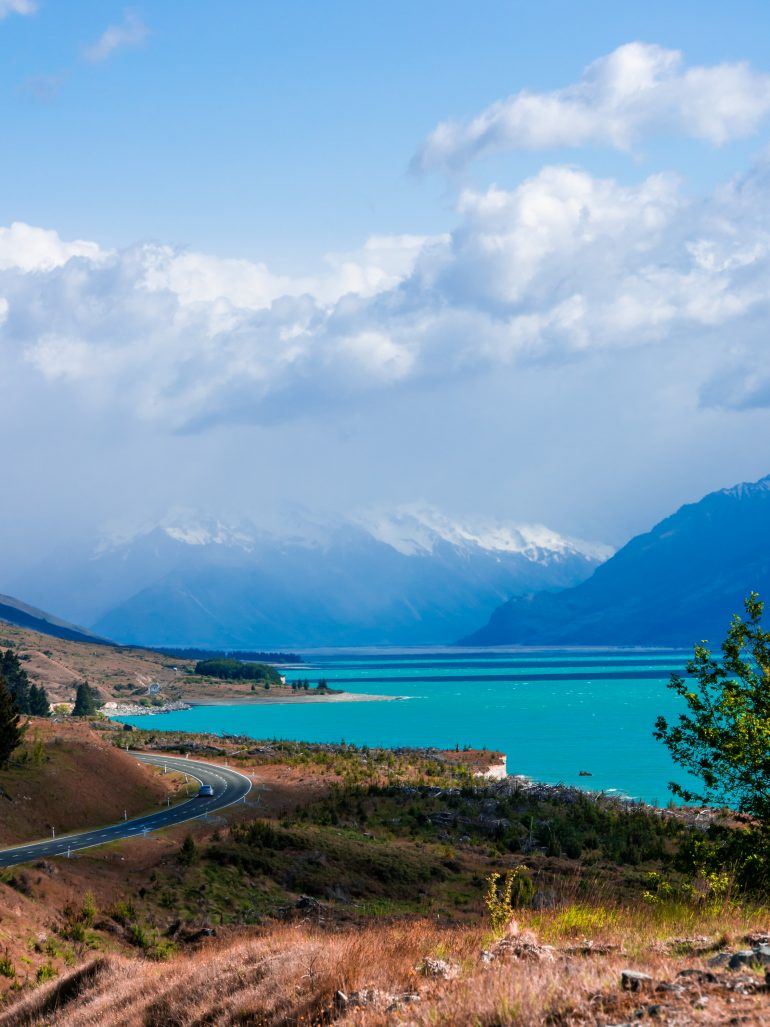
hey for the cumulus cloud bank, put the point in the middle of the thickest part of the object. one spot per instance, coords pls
(637, 90)
(562, 265)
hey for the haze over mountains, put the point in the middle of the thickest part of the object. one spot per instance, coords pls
(14, 611)
(675, 585)
(406, 577)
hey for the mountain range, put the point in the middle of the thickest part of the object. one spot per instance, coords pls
(675, 585)
(406, 577)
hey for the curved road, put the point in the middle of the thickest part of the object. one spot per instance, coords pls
(229, 787)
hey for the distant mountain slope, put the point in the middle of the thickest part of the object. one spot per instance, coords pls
(675, 585)
(13, 611)
(408, 577)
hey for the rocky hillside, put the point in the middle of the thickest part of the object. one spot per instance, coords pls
(676, 584)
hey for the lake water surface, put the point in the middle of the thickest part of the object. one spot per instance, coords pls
(553, 712)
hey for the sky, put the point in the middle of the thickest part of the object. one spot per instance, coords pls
(509, 260)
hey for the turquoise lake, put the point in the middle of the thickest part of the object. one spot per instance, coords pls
(553, 713)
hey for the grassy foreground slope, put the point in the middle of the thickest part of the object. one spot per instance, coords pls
(418, 974)
(350, 888)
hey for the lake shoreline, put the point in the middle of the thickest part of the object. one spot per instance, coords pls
(300, 700)
(114, 709)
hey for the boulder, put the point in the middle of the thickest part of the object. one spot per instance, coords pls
(635, 980)
(430, 967)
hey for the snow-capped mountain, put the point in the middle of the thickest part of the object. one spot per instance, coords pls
(418, 529)
(674, 585)
(407, 576)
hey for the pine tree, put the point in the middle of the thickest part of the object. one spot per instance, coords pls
(39, 705)
(16, 680)
(10, 731)
(86, 701)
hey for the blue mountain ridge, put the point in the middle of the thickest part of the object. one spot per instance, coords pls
(674, 585)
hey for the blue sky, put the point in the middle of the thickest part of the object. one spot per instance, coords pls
(508, 260)
(280, 131)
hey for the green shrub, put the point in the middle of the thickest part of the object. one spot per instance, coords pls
(46, 972)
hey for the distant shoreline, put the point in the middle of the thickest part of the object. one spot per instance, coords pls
(287, 700)
(113, 710)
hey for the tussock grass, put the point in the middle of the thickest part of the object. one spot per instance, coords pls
(291, 974)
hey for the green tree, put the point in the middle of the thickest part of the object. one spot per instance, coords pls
(16, 679)
(39, 705)
(86, 701)
(723, 738)
(29, 698)
(11, 732)
(188, 851)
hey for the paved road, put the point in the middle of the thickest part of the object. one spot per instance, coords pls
(229, 787)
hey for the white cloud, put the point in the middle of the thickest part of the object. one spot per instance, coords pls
(562, 266)
(131, 32)
(17, 7)
(637, 90)
(38, 249)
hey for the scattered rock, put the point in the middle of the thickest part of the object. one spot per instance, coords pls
(430, 967)
(697, 945)
(368, 997)
(307, 904)
(720, 959)
(671, 989)
(699, 976)
(519, 946)
(590, 948)
(402, 1000)
(758, 956)
(635, 980)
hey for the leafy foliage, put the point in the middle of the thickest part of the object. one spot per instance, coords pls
(503, 896)
(87, 701)
(29, 698)
(236, 654)
(724, 737)
(11, 732)
(234, 670)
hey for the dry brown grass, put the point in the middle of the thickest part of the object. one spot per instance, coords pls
(290, 975)
(68, 777)
(59, 665)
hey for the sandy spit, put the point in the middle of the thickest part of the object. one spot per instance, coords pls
(295, 700)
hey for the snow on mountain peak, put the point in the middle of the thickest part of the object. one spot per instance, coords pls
(412, 530)
(186, 526)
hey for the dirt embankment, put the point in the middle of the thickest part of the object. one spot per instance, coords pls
(67, 777)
